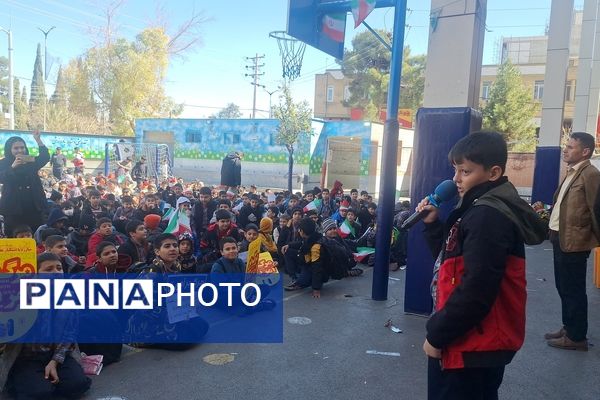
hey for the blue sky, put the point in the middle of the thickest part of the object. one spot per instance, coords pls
(213, 75)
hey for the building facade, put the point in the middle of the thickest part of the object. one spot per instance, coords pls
(529, 54)
(332, 89)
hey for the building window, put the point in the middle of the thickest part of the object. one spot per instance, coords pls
(570, 91)
(538, 90)
(193, 136)
(485, 89)
(330, 94)
(231, 138)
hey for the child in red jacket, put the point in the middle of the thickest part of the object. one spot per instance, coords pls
(104, 233)
(479, 282)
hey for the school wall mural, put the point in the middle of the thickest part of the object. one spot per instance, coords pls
(92, 146)
(213, 139)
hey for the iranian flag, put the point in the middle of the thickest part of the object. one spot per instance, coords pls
(362, 253)
(361, 9)
(334, 26)
(168, 214)
(346, 229)
(313, 205)
(179, 223)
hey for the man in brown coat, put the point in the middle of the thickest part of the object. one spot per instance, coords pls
(574, 232)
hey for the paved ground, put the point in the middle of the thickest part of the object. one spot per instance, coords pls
(328, 359)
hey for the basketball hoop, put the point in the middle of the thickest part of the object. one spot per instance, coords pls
(291, 51)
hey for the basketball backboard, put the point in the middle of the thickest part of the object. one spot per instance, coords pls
(322, 31)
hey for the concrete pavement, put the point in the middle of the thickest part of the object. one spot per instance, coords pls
(329, 358)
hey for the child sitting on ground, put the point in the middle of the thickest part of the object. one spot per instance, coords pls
(104, 233)
(43, 370)
(312, 272)
(186, 254)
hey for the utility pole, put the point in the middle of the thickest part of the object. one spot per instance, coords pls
(255, 75)
(271, 94)
(45, 71)
(11, 86)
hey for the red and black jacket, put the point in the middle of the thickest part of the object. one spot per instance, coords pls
(479, 289)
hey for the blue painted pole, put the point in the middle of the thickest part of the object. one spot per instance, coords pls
(387, 187)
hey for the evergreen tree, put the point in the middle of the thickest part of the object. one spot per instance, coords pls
(510, 109)
(368, 65)
(21, 109)
(38, 90)
(24, 95)
(59, 98)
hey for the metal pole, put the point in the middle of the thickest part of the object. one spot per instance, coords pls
(387, 188)
(45, 64)
(11, 85)
(270, 104)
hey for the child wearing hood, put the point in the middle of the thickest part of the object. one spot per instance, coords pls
(57, 220)
(265, 235)
(312, 272)
(79, 238)
(187, 260)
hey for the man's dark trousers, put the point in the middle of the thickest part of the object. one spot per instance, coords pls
(569, 275)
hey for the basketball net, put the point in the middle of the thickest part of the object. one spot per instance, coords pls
(292, 53)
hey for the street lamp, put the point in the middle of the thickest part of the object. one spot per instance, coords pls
(11, 87)
(271, 94)
(45, 71)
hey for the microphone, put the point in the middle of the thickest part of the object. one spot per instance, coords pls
(443, 192)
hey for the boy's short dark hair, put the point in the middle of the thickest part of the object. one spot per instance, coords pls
(102, 245)
(179, 185)
(372, 205)
(93, 193)
(351, 210)
(133, 225)
(127, 199)
(21, 229)
(486, 148)
(251, 227)
(223, 201)
(160, 238)
(102, 220)
(325, 190)
(354, 191)
(222, 192)
(43, 257)
(205, 190)
(52, 240)
(294, 197)
(364, 192)
(225, 240)
(587, 141)
(46, 233)
(274, 210)
(285, 217)
(222, 214)
(307, 225)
